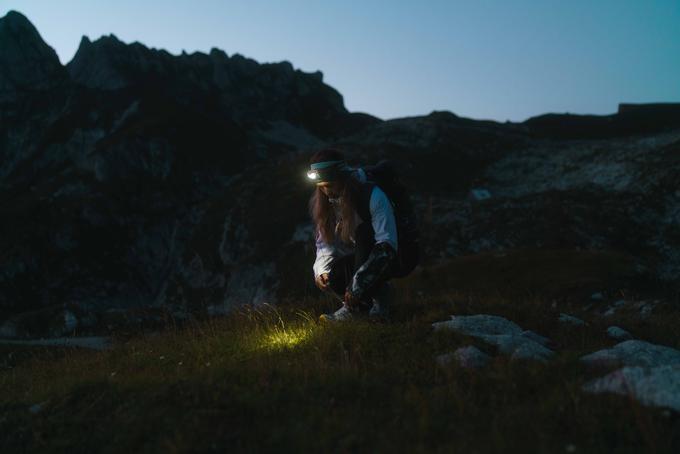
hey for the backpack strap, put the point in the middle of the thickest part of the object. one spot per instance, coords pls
(364, 205)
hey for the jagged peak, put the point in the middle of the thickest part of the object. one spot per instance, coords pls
(108, 40)
(27, 62)
(15, 18)
(15, 23)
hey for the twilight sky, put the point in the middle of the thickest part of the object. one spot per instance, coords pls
(490, 59)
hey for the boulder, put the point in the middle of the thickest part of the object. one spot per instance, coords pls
(656, 386)
(633, 353)
(518, 347)
(504, 334)
(619, 334)
(479, 324)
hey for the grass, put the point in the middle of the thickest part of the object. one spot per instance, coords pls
(273, 379)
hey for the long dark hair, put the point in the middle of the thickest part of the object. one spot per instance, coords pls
(320, 209)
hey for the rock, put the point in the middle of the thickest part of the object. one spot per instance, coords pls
(9, 329)
(507, 336)
(480, 194)
(646, 310)
(619, 303)
(633, 353)
(609, 312)
(469, 357)
(597, 296)
(619, 334)
(657, 386)
(537, 338)
(518, 347)
(566, 318)
(479, 324)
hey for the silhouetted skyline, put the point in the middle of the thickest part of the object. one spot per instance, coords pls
(481, 59)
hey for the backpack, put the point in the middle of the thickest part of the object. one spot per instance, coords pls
(384, 175)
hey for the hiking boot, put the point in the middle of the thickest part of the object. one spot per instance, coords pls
(383, 299)
(341, 315)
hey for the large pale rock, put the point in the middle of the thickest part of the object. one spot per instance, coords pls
(657, 386)
(518, 347)
(633, 353)
(506, 335)
(479, 324)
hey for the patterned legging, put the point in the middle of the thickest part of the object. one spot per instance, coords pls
(372, 266)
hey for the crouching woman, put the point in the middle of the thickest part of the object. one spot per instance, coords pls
(357, 248)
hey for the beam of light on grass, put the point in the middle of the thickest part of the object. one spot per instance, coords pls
(274, 334)
(282, 339)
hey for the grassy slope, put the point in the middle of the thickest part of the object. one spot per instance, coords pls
(274, 379)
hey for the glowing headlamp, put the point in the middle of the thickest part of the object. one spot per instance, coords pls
(326, 170)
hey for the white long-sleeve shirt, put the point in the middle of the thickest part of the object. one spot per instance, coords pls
(382, 220)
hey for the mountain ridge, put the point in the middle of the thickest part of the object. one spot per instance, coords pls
(139, 179)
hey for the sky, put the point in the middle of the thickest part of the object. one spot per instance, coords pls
(485, 59)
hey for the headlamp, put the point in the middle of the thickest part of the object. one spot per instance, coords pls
(326, 170)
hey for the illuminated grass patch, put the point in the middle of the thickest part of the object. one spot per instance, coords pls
(285, 338)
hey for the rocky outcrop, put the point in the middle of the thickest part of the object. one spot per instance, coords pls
(246, 91)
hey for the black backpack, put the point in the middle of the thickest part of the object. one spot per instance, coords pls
(385, 175)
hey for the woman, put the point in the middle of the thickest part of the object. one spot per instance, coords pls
(355, 257)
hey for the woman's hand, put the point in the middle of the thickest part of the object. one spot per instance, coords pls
(323, 281)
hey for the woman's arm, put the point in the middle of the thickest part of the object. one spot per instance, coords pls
(324, 256)
(383, 255)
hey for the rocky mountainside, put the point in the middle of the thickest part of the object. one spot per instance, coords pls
(134, 179)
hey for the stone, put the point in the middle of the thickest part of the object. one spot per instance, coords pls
(537, 338)
(480, 194)
(502, 333)
(566, 318)
(619, 334)
(8, 329)
(646, 310)
(633, 353)
(609, 312)
(518, 347)
(479, 324)
(656, 386)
